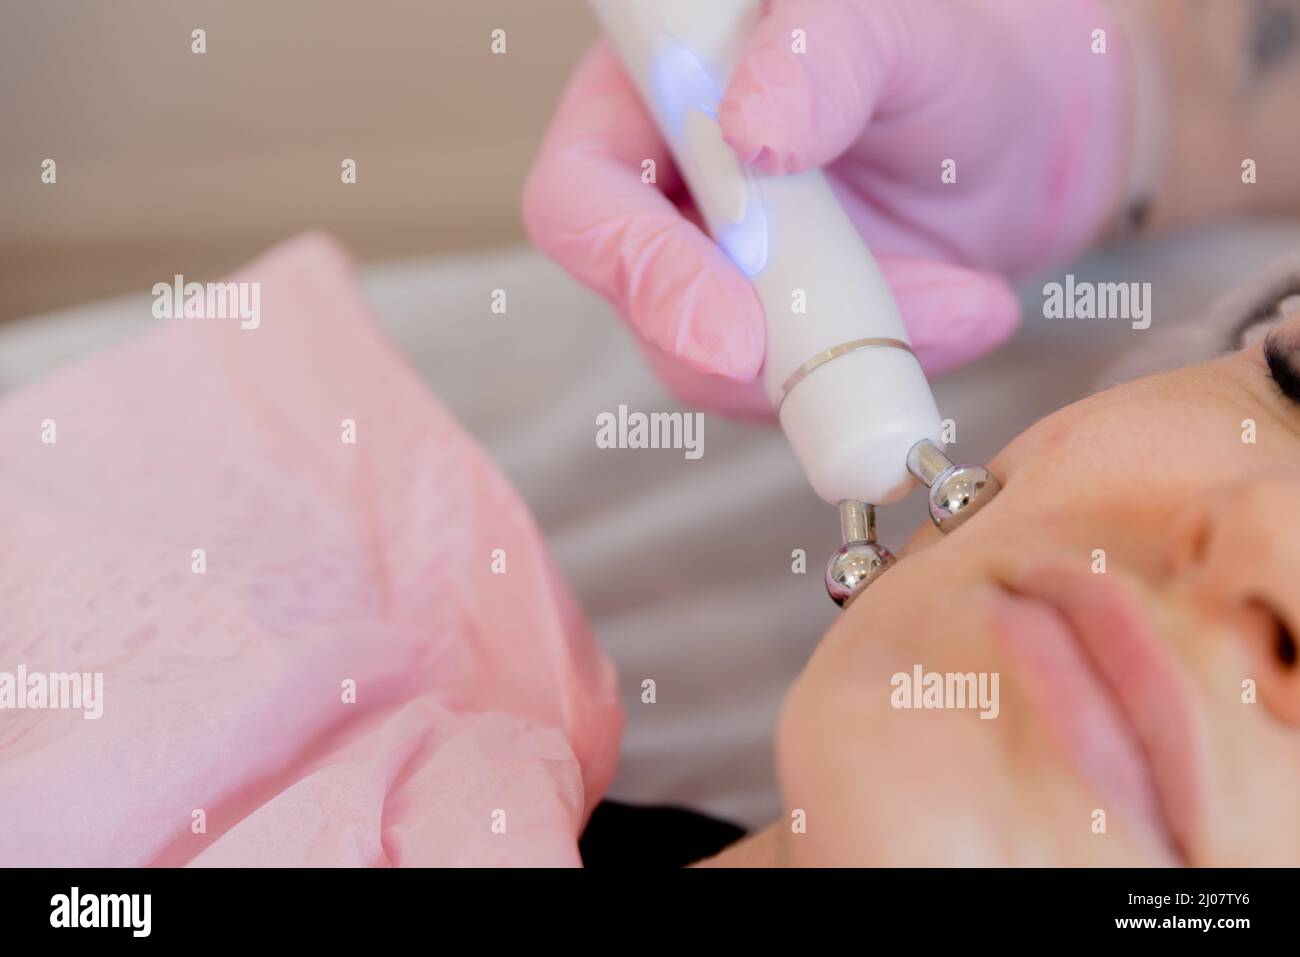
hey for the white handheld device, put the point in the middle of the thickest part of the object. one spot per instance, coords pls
(850, 395)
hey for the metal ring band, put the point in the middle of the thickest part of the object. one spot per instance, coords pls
(844, 348)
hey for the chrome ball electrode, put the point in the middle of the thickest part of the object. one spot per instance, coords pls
(956, 493)
(861, 559)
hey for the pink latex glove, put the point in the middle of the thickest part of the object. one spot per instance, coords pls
(887, 91)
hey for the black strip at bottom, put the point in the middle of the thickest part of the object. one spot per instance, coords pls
(628, 835)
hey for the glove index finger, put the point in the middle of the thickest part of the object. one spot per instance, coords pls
(588, 205)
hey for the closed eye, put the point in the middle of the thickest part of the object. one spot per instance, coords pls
(1283, 366)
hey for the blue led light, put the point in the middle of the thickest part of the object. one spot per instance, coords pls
(746, 241)
(680, 83)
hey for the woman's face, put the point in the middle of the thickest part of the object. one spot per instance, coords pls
(1134, 588)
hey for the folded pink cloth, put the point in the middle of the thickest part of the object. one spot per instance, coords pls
(348, 673)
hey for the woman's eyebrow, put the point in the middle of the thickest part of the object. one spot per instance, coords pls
(1284, 366)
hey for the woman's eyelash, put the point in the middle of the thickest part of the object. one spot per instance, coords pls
(1282, 366)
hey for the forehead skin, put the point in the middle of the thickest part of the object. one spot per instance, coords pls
(1119, 471)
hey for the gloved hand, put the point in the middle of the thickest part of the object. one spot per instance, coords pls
(886, 92)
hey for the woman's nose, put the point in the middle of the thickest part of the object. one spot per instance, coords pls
(1240, 552)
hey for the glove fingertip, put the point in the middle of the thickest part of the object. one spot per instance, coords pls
(954, 323)
(705, 315)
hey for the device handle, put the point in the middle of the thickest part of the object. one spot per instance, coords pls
(851, 397)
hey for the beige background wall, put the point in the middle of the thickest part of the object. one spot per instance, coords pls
(172, 162)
